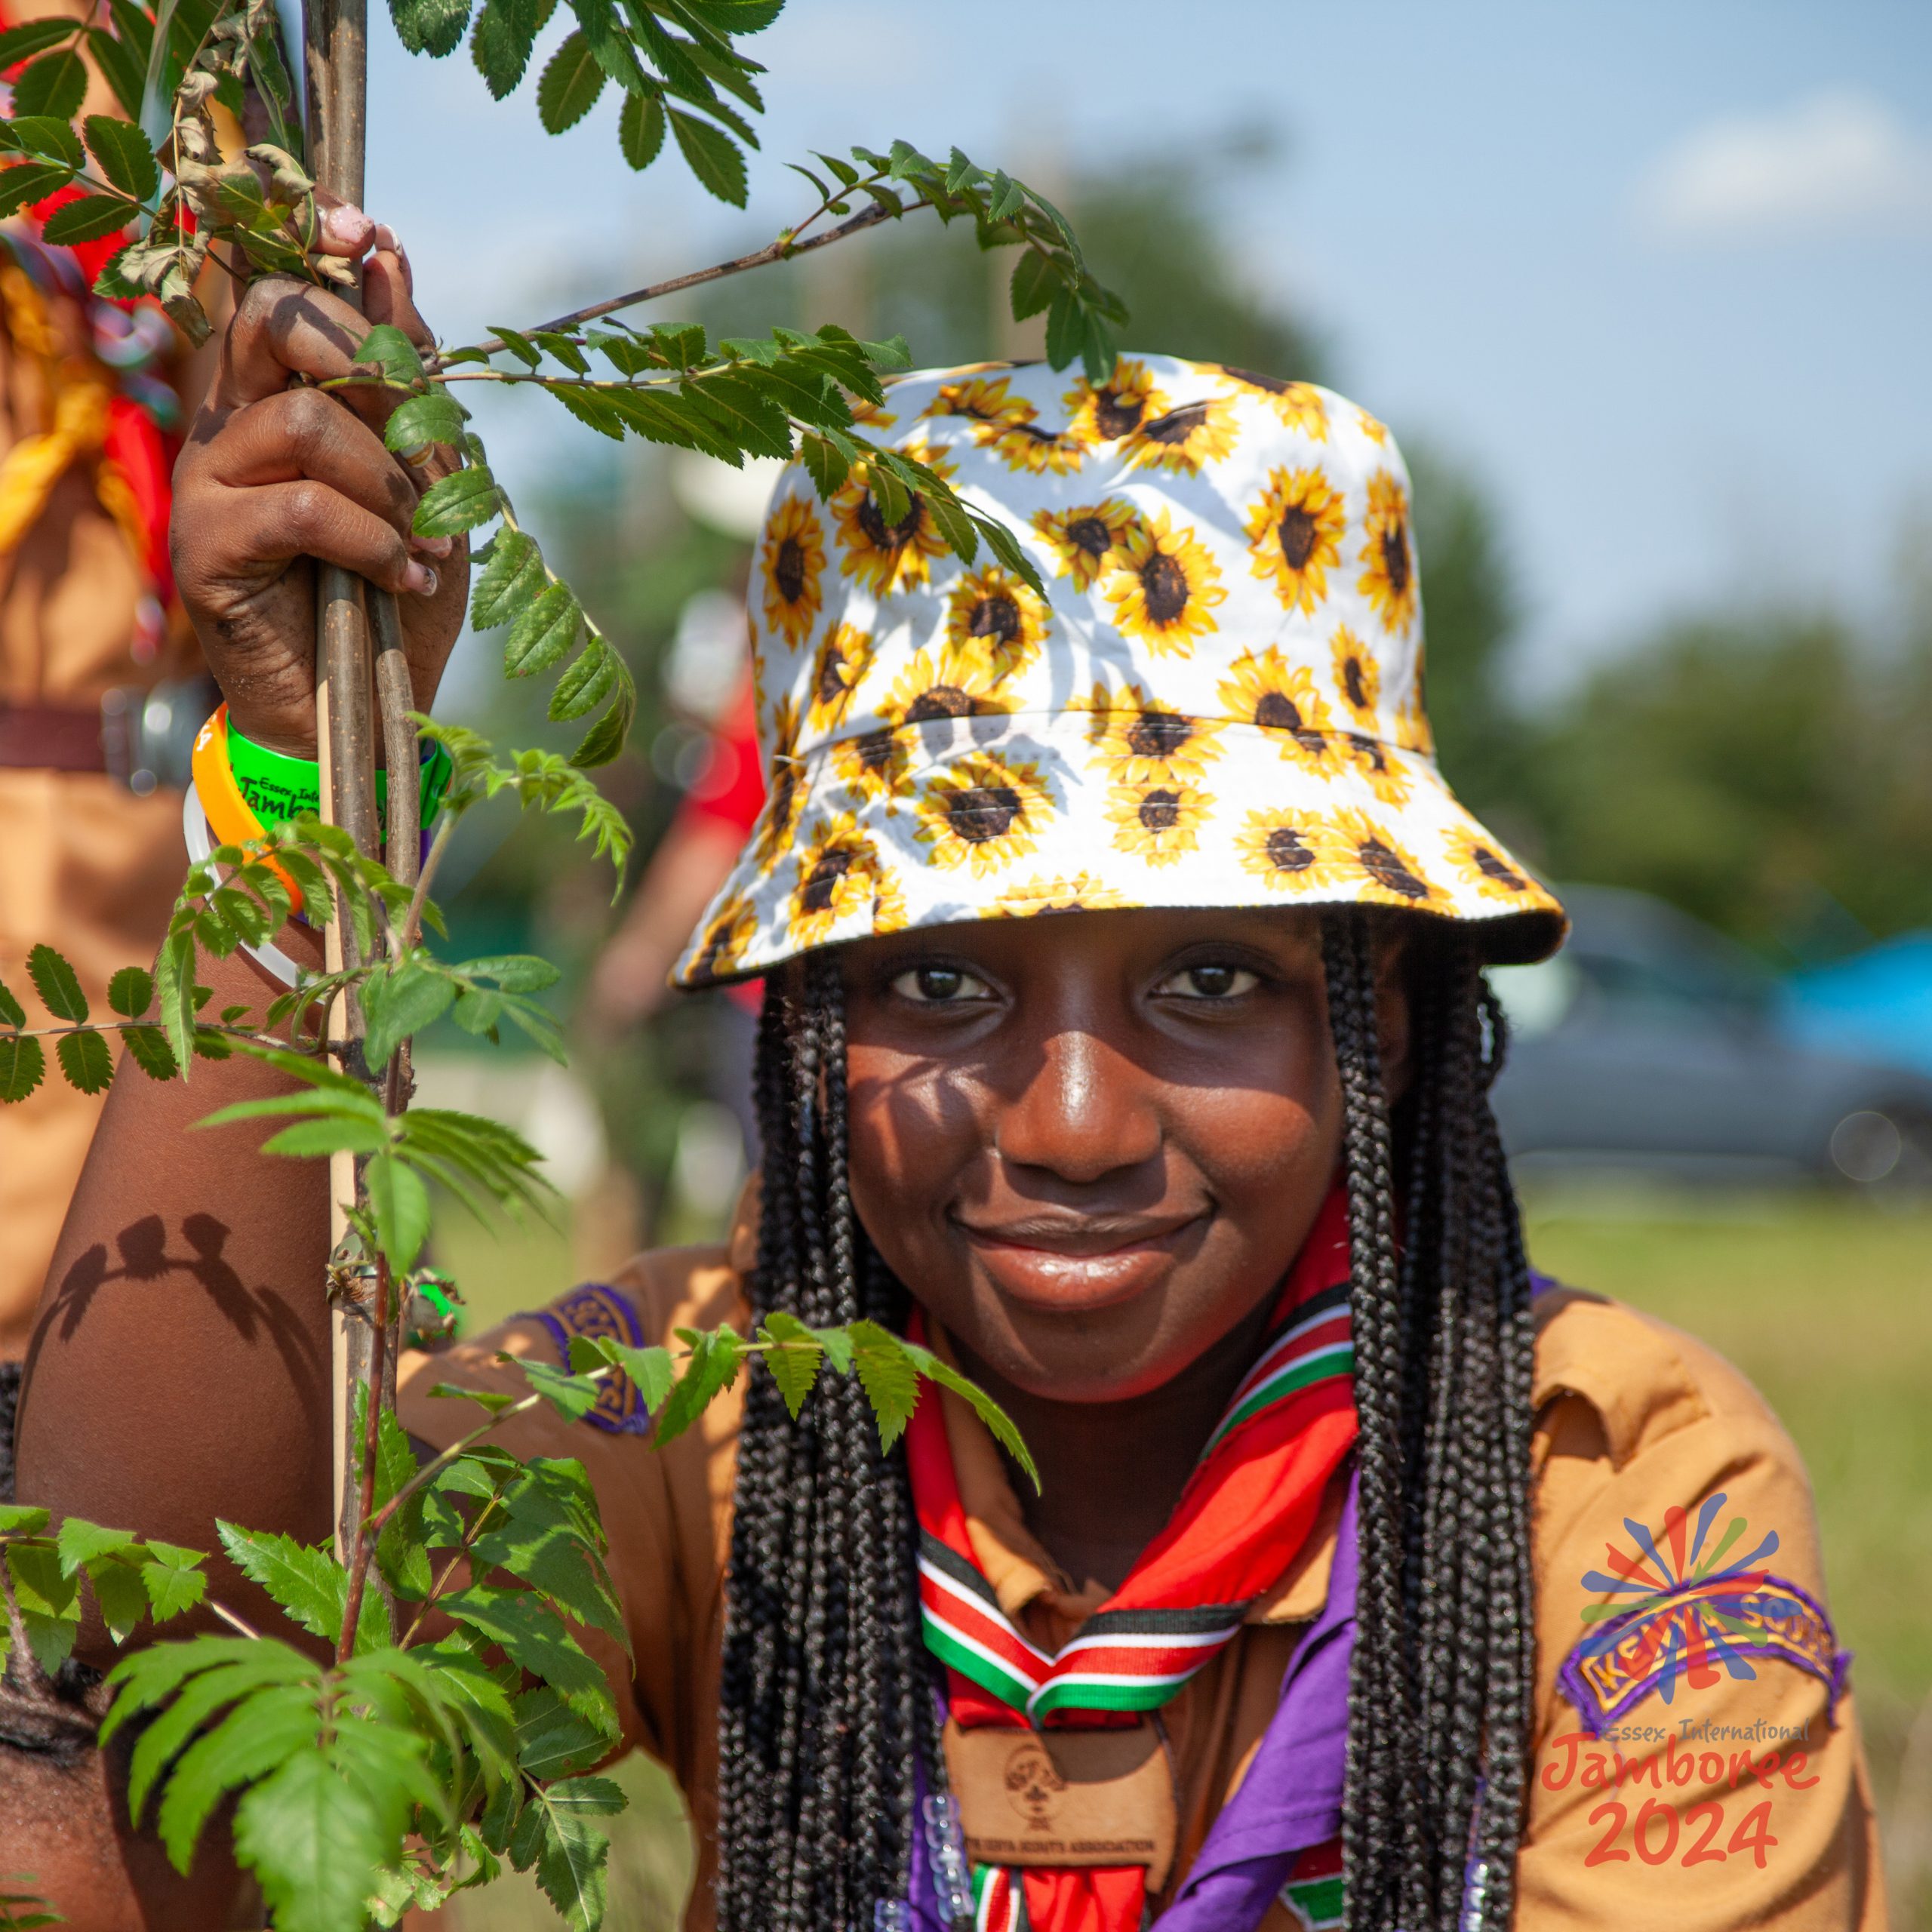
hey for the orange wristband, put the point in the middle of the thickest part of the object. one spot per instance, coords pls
(230, 816)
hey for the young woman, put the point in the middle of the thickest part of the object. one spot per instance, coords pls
(1126, 1035)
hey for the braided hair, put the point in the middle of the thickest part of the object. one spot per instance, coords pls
(827, 1729)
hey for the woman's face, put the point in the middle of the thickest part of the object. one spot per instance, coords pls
(1091, 1143)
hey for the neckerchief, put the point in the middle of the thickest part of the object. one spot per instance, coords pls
(1240, 1521)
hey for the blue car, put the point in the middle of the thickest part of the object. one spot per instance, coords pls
(1652, 1042)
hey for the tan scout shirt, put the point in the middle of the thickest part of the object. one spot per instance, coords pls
(1633, 1417)
(85, 866)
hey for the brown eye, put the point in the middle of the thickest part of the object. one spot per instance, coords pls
(1209, 982)
(939, 986)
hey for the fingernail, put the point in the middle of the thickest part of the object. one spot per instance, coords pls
(348, 225)
(419, 578)
(387, 238)
(437, 546)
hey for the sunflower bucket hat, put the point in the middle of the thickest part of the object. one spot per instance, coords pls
(1218, 702)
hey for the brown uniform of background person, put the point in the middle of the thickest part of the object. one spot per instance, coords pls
(90, 847)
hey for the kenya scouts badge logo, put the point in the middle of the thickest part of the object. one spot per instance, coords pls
(1683, 1608)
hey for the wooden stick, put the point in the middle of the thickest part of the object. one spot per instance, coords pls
(335, 56)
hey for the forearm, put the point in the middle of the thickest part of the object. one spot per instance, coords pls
(179, 1369)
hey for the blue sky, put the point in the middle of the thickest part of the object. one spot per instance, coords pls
(1661, 273)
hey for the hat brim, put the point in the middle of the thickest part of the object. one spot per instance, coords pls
(1006, 816)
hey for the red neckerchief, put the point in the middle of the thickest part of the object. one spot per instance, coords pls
(1241, 1522)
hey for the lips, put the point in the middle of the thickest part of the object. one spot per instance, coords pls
(1078, 1265)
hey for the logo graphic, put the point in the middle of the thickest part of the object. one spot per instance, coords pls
(1683, 1607)
(1033, 1784)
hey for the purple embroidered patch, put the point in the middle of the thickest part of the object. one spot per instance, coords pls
(597, 1309)
(1689, 1615)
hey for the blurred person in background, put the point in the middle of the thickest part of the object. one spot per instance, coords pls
(708, 687)
(102, 684)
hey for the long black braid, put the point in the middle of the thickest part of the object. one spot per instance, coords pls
(825, 1724)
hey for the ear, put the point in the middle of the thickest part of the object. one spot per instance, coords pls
(1394, 1034)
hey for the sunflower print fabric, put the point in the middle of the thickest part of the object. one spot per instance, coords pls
(1216, 701)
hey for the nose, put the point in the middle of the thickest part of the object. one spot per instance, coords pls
(1085, 1113)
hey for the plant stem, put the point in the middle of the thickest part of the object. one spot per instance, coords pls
(372, 1408)
(412, 920)
(783, 249)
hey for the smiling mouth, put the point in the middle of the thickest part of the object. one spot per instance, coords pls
(1089, 1238)
(1061, 1265)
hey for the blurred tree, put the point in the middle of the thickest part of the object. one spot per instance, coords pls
(1766, 771)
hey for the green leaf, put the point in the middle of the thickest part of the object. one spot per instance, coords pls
(591, 406)
(122, 68)
(151, 1052)
(22, 1519)
(1003, 545)
(460, 501)
(508, 582)
(570, 1866)
(88, 219)
(569, 85)
(989, 1411)
(312, 1836)
(131, 992)
(172, 1580)
(85, 1061)
(12, 1013)
(21, 187)
(1036, 282)
(386, 348)
(174, 989)
(401, 1204)
(23, 1066)
(824, 463)
(533, 1637)
(435, 27)
(712, 156)
(307, 1582)
(32, 37)
(46, 135)
(544, 633)
(57, 984)
(49, 1601)
(56, 83)
(552, 1741)
(641, 128)
(118, 1595)
(506, 32)
(402, 1001)
(494, 1400)
(886, 1374)
(517, 344)
(418, 420)
(795, 1358)
(80, 1542)
(125, 155)
(712, 1368)
(586, 684)
(651, 1370)
(549, 1555)
(316, 1139)
(572, 1398)
(605, 738)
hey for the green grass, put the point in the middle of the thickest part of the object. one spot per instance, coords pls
(1826, 1303)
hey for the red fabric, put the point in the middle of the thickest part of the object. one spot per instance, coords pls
(134, 442)
(1241, 1522)
(731, 793)
(732, 789)
(136, 446)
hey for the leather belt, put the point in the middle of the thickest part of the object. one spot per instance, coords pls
(51, 737)
(140, 738)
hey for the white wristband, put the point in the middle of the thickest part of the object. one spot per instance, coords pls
(200, 838)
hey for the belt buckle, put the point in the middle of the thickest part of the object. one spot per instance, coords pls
(147, 732)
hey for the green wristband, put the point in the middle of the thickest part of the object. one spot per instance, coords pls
(278, 788)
